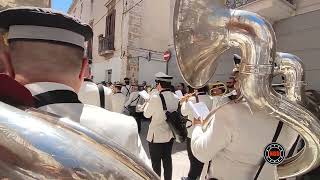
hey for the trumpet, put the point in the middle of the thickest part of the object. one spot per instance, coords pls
(187, 96)
(218, 85)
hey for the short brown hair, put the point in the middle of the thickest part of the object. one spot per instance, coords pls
(45, 56)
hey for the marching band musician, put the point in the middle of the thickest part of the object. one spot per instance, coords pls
(152, 89)
(234, 75)
(140, 107)
(141, 102)
(200, 96)
(117, 99)
(217, 92)
(131, 104)
(234, 140)
(97, 95)
(144, 85)
(160, 136)
(182, 88)
(46, 56)
(133, 98)
(126, 88)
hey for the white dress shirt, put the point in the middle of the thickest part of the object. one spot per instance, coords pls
(159, 130)
(89, 94)
(235, 140)
(117, 127)
(117, 102)
(187, 111)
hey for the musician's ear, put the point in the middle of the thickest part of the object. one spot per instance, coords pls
(6, 64)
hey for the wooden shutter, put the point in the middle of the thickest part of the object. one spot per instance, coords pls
(112, 28)
(107, 26)
(112, 23)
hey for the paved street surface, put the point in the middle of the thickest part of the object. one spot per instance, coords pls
(179, 155)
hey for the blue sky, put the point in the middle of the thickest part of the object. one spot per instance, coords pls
(62, 5)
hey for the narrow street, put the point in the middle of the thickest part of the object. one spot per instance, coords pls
(179, 154)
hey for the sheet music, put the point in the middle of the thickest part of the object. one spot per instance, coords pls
(200, 110)
(144, 95)
(179, 94)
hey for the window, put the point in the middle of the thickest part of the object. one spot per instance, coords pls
(108, 75)
(110, 20)
(110, 5)
(89, 44)
(89, 49)
(106, 43)
(81, 9)
(91, 6)
(110, 24)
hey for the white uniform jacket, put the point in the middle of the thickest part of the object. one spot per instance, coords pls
(153, 91)
(219, 101)
(133, 99)
(117, 102)
(159, 130)
(235, 140)
(126, 90)
(140, 105)
(89, 94)
(119, 128)
(187, 111)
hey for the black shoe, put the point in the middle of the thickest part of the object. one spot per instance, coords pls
(185, 178)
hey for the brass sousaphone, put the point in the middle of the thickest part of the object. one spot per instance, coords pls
(39, 145)
(205, 29)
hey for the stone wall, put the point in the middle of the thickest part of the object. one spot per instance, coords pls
(134, 36)
(222, 73)
(115, 60)
(299, 35)
(148, 32)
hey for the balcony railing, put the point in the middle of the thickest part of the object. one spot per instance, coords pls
(237, 3)
(106, 44)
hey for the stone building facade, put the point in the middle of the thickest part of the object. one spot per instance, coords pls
(130, 37)
(14, 3)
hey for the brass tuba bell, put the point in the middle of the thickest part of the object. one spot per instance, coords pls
(204, 29)
(39, 145)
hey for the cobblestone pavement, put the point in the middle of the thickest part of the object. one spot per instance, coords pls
(179, 154)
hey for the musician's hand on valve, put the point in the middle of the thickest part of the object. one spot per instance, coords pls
(196, 122)
(186, 97)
